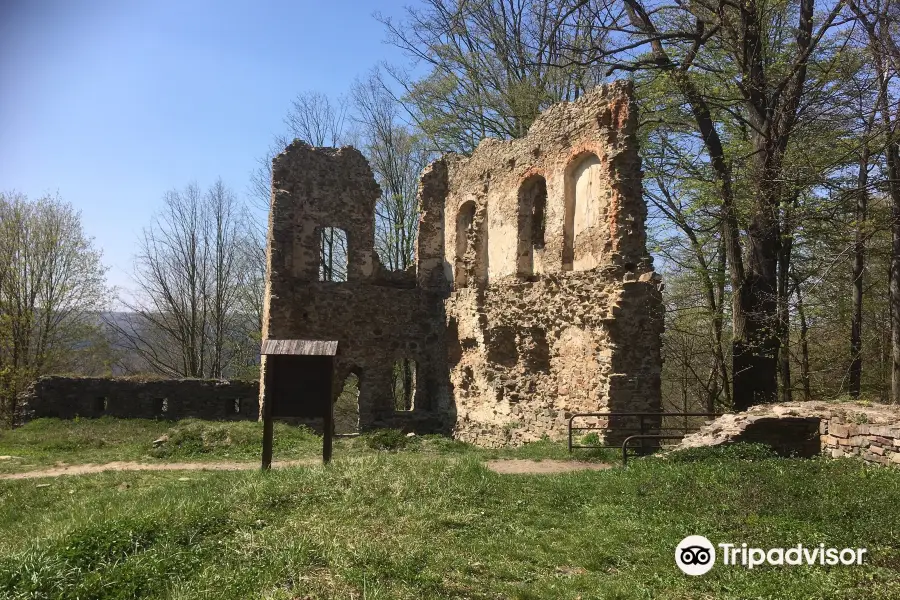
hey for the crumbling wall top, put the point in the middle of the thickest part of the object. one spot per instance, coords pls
(316, 188)
(567, 196)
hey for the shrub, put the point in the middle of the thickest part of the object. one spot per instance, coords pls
(388, 439)
(591, 439)
(740, 451)
(443, 443)
(193, 437)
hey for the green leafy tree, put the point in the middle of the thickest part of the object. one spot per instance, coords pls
(52, 291)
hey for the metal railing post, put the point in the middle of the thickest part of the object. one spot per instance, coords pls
(618, 421)
(643, 432)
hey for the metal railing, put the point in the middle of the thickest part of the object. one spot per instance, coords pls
(650, 426)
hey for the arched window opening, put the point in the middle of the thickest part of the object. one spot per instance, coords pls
(465, 240)
(332, 254)
(532, 225)
(584, 184)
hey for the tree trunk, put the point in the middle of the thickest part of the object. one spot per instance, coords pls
(755, 347)
(804, 343)
(893, 152)
(784, 295)
(718, 321)
(859, 258)
(408, 384)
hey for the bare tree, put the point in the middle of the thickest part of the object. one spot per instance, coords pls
(758, 85)
(397, 156)
(493, 65)
(319, 121)
(866, 107)
(313, 118)
(188, 316)
(52, 289)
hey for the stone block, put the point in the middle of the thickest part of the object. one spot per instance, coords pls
(838, 430)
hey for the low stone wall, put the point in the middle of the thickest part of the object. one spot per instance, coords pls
(126, 397)
(873, 443)
(871, 433)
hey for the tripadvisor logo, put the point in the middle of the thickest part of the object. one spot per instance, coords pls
(696, 555)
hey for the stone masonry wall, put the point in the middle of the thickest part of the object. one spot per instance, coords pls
(846, 435)
(532, 295)
(565, 318)
(378, 317)
(123, 397)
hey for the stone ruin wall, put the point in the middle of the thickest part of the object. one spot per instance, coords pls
(377, 316)
(532, 297)
(135, 398)
(543, 328)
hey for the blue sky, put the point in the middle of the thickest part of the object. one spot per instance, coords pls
(113, 102)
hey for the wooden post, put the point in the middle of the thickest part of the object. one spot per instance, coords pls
(328, 431)
(267, 418)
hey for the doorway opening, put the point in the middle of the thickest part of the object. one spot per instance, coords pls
(404, 384)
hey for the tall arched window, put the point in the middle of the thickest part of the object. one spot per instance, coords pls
(532, 223)
(584, 185)
(465, 239)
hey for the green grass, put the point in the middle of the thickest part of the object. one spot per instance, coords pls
(430, 521)
(45, 442)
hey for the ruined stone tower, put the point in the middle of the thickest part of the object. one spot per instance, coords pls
(533, 295)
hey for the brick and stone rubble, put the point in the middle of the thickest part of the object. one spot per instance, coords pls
(839, 429)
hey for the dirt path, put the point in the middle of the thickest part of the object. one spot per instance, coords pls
(59, 470)
(542, 467)
(504, 467)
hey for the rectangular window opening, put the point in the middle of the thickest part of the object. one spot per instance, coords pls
(332, 254)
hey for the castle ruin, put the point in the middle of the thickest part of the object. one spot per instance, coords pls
(532, 296)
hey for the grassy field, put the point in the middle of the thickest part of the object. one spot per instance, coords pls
(424, 521)
(46, 442)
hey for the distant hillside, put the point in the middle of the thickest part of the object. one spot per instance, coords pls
(128, 361)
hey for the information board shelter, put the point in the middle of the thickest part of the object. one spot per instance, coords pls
(298, 383)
